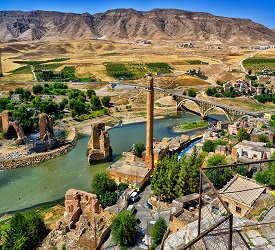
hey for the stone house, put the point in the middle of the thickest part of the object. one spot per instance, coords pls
(17, 97)
(180, 216)
(254, 136)
(236, 126)
(247, 150)
(240, 194)
(129, 169)
(259, 90)
(168, 146)
(267, 116)
(221, 149)
(227, 86)
(222, 125)
(181, 219)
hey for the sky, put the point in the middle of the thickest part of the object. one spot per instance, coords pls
(262, 12)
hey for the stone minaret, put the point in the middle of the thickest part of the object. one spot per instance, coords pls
(149, 159)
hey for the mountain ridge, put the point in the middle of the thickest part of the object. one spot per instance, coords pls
(130, 24)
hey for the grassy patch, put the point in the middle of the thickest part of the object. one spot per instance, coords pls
(191, 125)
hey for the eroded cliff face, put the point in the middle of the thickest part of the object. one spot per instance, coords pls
(99, 149)
(129, 24)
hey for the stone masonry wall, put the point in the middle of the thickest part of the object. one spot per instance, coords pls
(41, 157)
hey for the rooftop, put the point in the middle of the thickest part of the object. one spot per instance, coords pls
(130, 168)
(243, 190)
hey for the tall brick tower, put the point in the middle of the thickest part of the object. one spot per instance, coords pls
(149, 159)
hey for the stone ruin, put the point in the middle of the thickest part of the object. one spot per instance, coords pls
(13, 128)
(77, 201)
(45, 126)
(99, 149)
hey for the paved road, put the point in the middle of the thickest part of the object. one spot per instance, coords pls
(143, 215)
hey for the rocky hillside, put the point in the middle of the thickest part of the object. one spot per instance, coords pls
(129, 24)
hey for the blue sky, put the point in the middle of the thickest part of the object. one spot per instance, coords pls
(258, 11)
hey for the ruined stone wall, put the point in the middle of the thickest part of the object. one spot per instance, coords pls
(99, 149)
(86, 202)
(45, 126)
(41, 157)
(5, 119)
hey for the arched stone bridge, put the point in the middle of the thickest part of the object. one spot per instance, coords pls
(205, 107)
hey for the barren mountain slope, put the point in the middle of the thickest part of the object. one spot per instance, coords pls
(129, 24)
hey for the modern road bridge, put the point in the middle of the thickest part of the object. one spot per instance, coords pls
(205, 107)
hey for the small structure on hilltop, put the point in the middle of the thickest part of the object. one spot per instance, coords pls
(45, 126)
(99, 149)
(13, 128)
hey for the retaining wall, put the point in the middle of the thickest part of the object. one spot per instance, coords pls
(41, 157)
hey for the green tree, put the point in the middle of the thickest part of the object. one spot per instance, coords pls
(108, 199)
(242, 170)
(25, 232)
(158, 231)
(102, 182)
(139, 148)
(122, 186)
(192, 93)
(95, 101)
(210, 92)
(264, 126)
(243, 135)
(263, 138)
(208, 146)
(106, 101)
(90, 93)
(267, 176)
(123, 228)
(219, 176)
(174, 178)
(37, 89)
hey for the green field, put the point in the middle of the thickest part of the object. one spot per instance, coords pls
(135, 70)
(259, 63)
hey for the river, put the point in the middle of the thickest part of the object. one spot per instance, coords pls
(25, 187)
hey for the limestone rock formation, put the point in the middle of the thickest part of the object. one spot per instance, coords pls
(99, 149)
(45, 126)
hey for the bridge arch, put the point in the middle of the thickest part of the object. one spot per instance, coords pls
(243, 116)
(185, 100)
(227, 114)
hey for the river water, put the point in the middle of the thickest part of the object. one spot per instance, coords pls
(45, 182)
